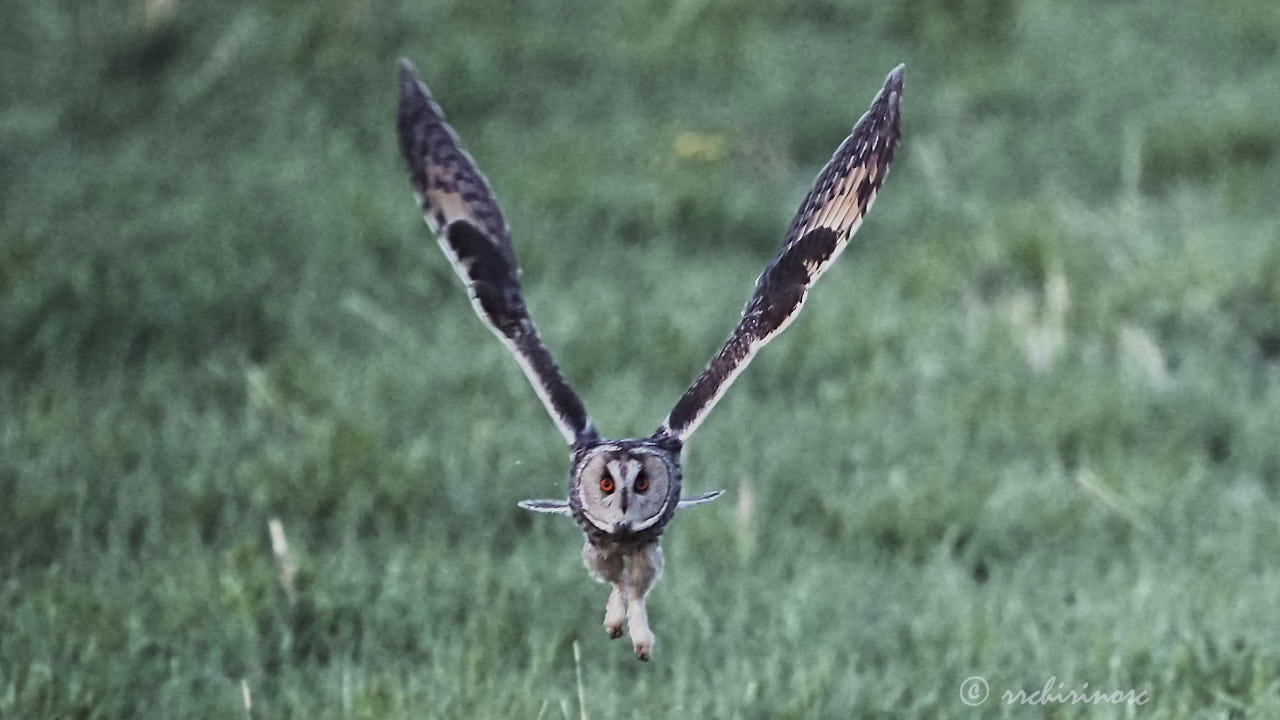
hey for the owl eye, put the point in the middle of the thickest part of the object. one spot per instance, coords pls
(641, 484)
(606, 484)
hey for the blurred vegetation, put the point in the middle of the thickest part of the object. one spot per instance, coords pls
(1027, 428)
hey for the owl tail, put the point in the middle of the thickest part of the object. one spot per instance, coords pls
(550, 507)
(561, 507)
(705, 497)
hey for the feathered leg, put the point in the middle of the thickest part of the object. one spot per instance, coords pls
(643, 570)
(608, 567)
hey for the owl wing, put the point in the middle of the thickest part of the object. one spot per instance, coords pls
(461, 211)
(828, 217)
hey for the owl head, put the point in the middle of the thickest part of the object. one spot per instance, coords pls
(623, 490)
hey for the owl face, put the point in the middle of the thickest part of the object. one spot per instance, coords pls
(625, 490)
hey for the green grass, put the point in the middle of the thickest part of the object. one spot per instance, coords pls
(1028, 427)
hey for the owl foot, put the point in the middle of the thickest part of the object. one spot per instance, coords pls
(643, 644)
(615, 631)
(641, 635)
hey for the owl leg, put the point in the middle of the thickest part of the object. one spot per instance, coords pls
(608, 567)
(616, 611)
(643, 571)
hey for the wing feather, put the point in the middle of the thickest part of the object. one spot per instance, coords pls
(460, 209)
(829, 215)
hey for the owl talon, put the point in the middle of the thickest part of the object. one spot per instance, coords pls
(641, 635)
(615, 631)
(643, 648)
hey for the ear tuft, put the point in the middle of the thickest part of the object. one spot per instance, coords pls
(550, 507)
(705, 497)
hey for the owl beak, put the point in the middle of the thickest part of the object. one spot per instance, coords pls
(622, 500)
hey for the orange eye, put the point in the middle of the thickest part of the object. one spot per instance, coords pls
(606, 484)
(642, 482)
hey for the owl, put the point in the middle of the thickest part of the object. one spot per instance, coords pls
(623, 493)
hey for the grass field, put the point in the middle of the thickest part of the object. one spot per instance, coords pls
(1027, 428)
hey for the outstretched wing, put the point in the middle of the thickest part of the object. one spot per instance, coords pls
(828, 217)
(462, 212)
